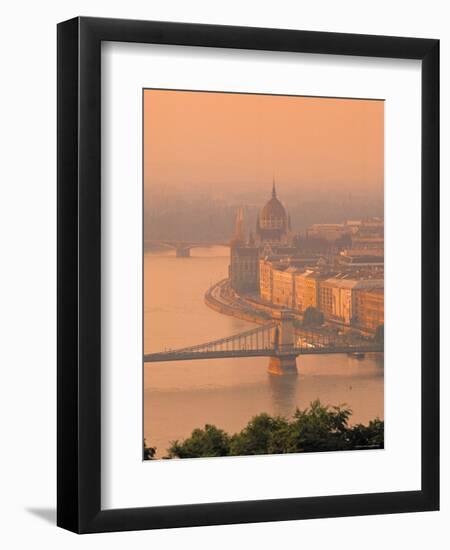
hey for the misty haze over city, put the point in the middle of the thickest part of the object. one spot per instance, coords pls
(208, 154)
(208, 214)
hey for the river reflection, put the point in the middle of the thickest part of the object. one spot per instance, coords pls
(183, 395)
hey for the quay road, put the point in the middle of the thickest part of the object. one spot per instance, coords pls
(222, 298)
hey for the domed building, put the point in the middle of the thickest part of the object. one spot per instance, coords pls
(273, 224)
(273, 236)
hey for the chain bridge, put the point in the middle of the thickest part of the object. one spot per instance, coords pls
(278, 340)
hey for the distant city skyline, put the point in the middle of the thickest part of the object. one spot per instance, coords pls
(242, 141)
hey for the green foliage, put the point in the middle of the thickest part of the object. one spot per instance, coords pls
(319, 428)
(371, 436)
(264, 434)
(312, 317)
(149, 452)
(314, 429)
(210, 441)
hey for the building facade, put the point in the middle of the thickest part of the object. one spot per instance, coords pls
(357, 259)
(243, 271)
(347, 285)
(307, 288)
(283, 287)
(339, 298)
(273, 234)
(370, 308)
(265, 279)
(244, 268)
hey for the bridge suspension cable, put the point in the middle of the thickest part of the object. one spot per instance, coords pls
(267, 340)
(257, 338)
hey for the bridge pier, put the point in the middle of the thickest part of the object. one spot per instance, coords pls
(183, 252)
(281, 365)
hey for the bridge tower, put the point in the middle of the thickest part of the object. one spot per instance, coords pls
(283, 361)
(182, 251)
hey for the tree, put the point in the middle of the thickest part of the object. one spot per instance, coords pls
(312, 316)
(319, 428)
(264, 434)
(371, 436)
(149, 452)
(314, 429)
(210, 441)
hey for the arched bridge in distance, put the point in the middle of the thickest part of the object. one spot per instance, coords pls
(278, 340)
(183, 248)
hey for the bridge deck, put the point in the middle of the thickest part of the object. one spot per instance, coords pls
(266, 352)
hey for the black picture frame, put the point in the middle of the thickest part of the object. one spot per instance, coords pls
(79, 276)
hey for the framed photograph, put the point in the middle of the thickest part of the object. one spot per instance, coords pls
(248, 288)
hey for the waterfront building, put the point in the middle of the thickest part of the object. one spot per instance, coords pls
(300, 289)
(296, 265)
(265, 279)
(326, 299)
(243, 271)
(283, 281)
(307, 287)
(273, 236)
(338, 297)
(244, 268)
(370, 308)
(291, 277)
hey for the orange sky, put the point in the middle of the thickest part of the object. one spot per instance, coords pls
(239, 140)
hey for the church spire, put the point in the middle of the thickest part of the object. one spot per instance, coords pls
(238, 237)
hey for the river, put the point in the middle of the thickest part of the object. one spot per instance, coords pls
(182, 395)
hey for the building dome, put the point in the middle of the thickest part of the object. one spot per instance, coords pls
(273, 215)
(273, 223)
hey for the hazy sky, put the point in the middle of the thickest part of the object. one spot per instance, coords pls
(240, 141)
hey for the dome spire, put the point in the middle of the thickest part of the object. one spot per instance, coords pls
(274, 192)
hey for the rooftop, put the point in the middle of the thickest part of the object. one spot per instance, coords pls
(354, 283)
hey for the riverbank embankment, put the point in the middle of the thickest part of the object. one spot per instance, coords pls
(221, 298)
